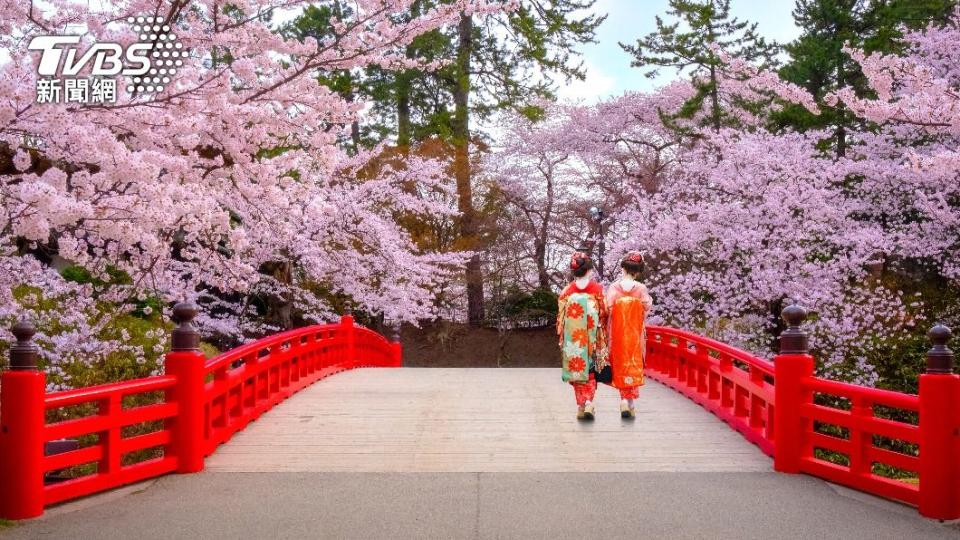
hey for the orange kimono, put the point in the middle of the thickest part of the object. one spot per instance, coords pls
(628, 302)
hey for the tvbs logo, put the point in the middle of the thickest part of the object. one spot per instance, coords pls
(147, 64)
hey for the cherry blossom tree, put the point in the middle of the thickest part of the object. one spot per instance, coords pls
(738, 222)
(535, 174)
(550, 169)
(749, 220)
(233, 168)
(910, 166)
(622, 143)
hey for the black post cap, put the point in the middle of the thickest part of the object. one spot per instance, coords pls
(939, 357)
(185, 336)
(794, 340)
(24, 353)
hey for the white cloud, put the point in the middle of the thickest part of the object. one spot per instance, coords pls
(595, 87)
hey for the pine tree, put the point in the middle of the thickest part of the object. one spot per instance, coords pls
(315, 22)
(499, 62)
(506, 62)
(819, 64)
(690, 45)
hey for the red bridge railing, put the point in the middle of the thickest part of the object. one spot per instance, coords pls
(732, 384)
(194, 407)
(802, 420)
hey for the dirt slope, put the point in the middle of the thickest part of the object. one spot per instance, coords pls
(456, 345)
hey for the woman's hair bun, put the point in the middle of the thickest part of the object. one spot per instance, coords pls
(580, 264)
(632, 263)
(578, 260)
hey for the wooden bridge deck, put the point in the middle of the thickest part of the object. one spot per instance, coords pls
(336, 462)
(480, 420)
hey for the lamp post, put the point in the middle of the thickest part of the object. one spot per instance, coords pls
(597, 214)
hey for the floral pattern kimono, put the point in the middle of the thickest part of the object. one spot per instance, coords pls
(629, 303)
(580, 326)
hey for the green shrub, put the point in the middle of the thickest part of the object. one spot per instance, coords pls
(518, 303)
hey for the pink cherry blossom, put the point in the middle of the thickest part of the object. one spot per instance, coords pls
(234, 165)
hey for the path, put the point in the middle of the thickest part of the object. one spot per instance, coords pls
(497, 454)
(480, 420)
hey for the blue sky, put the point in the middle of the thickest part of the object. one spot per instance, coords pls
(608, 66)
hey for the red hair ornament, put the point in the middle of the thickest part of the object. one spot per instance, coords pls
(578, 259)
(634, 257)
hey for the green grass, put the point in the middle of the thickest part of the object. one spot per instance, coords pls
(208, 350)
(4, 523)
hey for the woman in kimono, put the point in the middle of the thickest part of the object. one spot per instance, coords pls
(629, 302)
(581, 313)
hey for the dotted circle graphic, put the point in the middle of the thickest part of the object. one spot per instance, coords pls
(165, 53)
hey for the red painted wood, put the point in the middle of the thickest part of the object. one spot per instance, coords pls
(772, 405)
(75, 457)
(877, 426)
(198, 415)
(94, 393)
(69, 429)
(21, 444)
(738, 387)
(940, 446)
(187, 427)
(98, 482)
(876, 396)
(703, 370)
(877, 485)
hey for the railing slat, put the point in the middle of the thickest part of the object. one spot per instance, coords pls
(86, 485)
(96, 393)
(901, 461)
(875, 396)
(142, 442)
(74, 457)
(875, 426)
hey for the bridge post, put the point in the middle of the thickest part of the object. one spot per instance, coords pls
(791, 366)
(349, 340)
(186, 362)
(21, 429)
(396, 350)
(940, 431)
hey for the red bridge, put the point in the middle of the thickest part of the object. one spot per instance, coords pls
(836, 431)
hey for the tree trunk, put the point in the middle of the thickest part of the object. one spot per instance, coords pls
(280, 308)
(355, 125)
(404, 81)
(543, 277)
(355, 135)
(841, 133)
(462, 172)
(540, 248)
(714, 83)
(841, 136)
(403, 110)
(715, 99)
